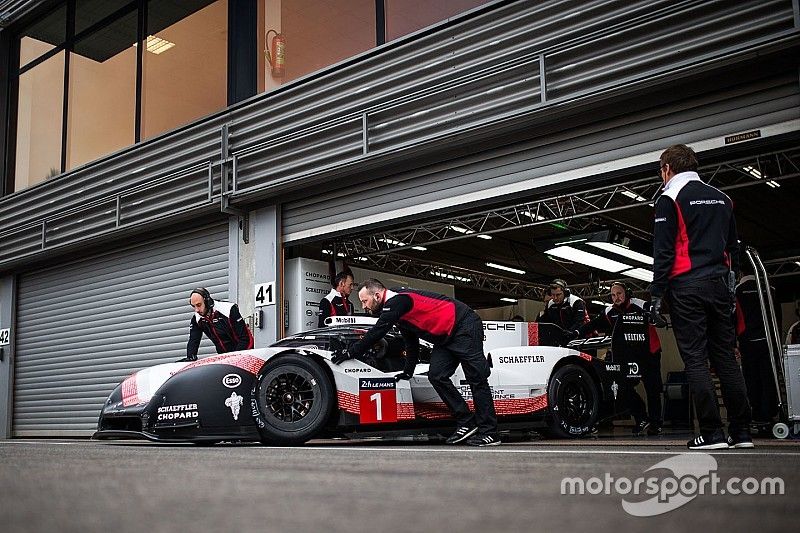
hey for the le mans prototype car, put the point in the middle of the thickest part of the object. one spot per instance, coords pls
(290, 392)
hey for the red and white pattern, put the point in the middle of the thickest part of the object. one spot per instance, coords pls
(516, 406)
(349, 402)
(248, 363)
(130, 391)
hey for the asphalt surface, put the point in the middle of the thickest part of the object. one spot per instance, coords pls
(354, 486)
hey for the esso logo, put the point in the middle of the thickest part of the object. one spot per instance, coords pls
(232, 380)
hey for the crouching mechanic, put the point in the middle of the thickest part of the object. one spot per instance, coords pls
(220, 321)
(456, 333)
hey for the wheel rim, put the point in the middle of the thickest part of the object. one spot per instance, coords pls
(290, 396)
(574, 401)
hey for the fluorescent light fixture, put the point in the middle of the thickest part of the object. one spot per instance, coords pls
(573, 241)
(532, 216)
(391, 242)
(621, 250)
(506, 268)
(774, 184)
(509, 300)
(631, 194)
(639, 273)
(361, 258)
(445, 275)
(327, 252)
(341, 254)
(753, 172)
(797, 263)
(595, 261)
(598, 302)
(156, 45)
(485, 237)
(420, 248)
(459, 229)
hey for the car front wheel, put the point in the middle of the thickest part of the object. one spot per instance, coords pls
(573, 401)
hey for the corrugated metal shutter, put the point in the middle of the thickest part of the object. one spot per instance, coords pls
(83, 327)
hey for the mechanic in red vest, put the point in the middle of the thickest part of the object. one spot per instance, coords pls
(456, 333)
(634, 340)
(220, 321)
(337, 302)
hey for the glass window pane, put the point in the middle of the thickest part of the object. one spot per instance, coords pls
(185, 63)
(39, 112)
(90, 12)
(407, 16)
(43, 35)
(316, 34)
(102, 92)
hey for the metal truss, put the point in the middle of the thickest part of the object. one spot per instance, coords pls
(473, 279)
(783, 267)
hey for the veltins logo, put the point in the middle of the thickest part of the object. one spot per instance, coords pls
(689, 475)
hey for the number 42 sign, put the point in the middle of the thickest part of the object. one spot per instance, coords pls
(265, 294)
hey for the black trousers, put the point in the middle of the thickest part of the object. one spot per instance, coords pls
(703, 325)
(465, 347)
(650, 368)
(759, 378)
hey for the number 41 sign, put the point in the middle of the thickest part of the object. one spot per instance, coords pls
(265, 294)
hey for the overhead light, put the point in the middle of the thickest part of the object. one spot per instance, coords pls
(446, 275)
(797, 263)
(341, 254)
(532, 216)
(420, 248)
(327, 252)
(753, 172)
(506, 268)
(774, 184)
(485, 237)
(361, 258)
(598, 302)
(573, 241)
(509, 300)
(156, 45)
(639, 273)
(631, 194)
(391, 242)
(595, 261)
(459, 229)
(623, 251)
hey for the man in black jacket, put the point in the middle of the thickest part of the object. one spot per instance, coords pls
(337, 302)
(456, 333)
(220, 321)
(634, 340)
(563, 308)
(696, 254)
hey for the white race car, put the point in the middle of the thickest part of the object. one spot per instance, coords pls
(290, 392)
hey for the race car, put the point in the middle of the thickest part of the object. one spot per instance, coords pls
(290, 392)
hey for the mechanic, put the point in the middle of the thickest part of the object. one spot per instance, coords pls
(563, 309)
(634, 340)
(220, 321)
(337, 302)
(696, 257)
(456, 333)
(752, 341)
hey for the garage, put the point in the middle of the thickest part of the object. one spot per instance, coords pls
(83, 326)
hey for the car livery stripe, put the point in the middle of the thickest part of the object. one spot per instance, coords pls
(533, 334)
(516, 406)
(248, 363)
(349, 402)
(585, 356)
(130, 392)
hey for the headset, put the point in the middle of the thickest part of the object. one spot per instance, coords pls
(560, 283)
(624, 287)
(207, 299)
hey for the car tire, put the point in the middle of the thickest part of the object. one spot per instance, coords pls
(573, 402)
(292, 400)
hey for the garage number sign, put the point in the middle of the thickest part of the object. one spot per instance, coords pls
(265, 294)
(5, 336)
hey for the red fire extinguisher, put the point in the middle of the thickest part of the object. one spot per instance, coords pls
(276, 54)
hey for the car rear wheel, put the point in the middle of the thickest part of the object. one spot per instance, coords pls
(292, 400)
(573, 401)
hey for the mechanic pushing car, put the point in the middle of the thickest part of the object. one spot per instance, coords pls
(456, 333)
(635, 340)
(220, 321)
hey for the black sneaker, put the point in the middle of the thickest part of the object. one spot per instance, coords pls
(483, 440)
(462, 433)
(740, 439)
(654, 430)
(640, 428)
(715, 441)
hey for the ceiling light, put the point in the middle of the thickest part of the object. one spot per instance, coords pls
(797, 263)
(631, 194)
(573, 241)
(753, 172)
(639, 273)
(774, 184)
(445, 275)
(509, 300)
(156, 45)
(459, 229)
(420, 248)
(595, 261)
(506, 268)
(598, 302)
(327, 252)
(532, 216)
(621, 250)
(485, 237)
(361, 258)
(391, 242)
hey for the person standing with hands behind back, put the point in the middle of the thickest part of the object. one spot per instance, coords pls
(696, 257)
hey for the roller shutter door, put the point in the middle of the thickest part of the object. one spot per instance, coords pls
(82, 327)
